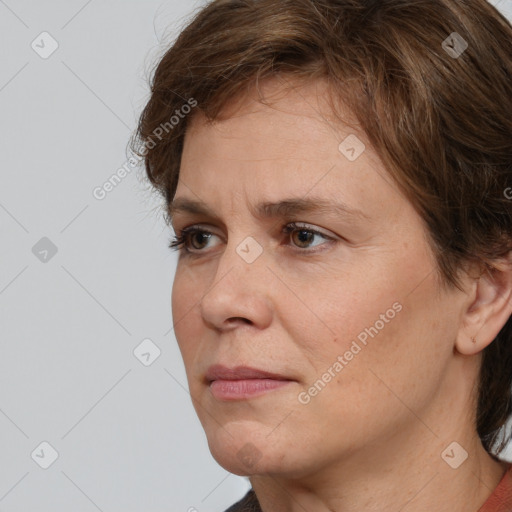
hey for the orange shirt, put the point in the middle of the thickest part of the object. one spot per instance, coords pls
(499, 501)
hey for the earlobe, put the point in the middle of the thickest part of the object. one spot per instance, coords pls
(488, 309)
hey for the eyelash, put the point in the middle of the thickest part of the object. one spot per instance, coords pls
(180, 240)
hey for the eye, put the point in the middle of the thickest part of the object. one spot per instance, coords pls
(303, 235)
(192, 240)
(187, 237)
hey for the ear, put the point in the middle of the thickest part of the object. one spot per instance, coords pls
(488, 308)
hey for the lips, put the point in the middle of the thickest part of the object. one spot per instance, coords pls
(221, 372)
(242, 382)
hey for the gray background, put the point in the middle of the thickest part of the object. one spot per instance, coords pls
(123, 426)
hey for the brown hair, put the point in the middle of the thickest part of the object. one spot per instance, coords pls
(441, 122)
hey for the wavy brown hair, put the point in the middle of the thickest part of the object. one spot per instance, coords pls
(441, 123)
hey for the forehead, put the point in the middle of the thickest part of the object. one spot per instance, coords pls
(277, 119)
(276, 143)
(289, 103)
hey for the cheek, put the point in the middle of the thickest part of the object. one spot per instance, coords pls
(186, 292)
(389, 361)
(372, 381)
(185, 297)
(381, 324)
(343, 310)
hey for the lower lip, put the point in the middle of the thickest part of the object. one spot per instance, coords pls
(246, 388)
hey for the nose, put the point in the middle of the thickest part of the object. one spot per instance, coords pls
(239, 292)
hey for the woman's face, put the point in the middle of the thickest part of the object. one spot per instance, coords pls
(351, 316)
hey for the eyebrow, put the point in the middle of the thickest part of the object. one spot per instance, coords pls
(267, 210)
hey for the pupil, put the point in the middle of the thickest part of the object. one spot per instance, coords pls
(304, 236)
(197, 236)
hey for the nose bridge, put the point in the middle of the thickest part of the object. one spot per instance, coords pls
(242, 262)
(238, 288)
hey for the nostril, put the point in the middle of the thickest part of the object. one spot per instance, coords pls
(236, 319)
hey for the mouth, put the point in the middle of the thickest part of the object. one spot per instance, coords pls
(242, 382)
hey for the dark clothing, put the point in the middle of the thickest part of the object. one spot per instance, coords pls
(248, 503)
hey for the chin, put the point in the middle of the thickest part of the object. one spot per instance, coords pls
(248, 451)
(246, 461)
(240, 449)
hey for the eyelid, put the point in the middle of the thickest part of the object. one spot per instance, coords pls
(196, 227)
(285, 229)
(293, 225)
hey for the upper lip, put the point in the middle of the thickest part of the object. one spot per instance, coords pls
(221, 372)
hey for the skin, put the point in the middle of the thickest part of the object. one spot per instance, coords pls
(372, 438)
